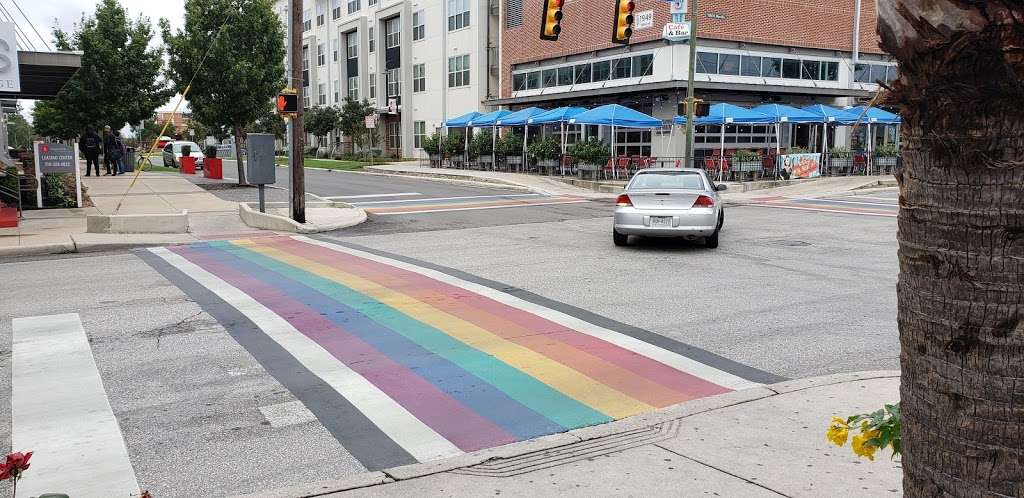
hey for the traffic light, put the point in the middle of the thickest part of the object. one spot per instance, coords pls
(551, 23)
(701, 109)
(623, 21)
(287, 102)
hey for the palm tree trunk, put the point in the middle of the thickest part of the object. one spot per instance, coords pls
(961, 243)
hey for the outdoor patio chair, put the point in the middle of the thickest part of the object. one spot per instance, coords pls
(860, 164)
(566, 164)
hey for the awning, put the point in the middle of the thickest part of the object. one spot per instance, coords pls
(520, 117)
(44, 74)
(616, 115)
(828, 114)
(874, 115)
(461, 121)
(786, 114)
(729, 114)
(490, 118)
(559, 115)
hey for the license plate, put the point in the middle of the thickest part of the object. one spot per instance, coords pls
(661, 221)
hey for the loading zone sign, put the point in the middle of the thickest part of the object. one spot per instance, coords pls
(52, 158)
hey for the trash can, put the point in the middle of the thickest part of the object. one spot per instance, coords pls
(129, 159)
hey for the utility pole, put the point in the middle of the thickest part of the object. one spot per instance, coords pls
(296, 130)
(688, 155)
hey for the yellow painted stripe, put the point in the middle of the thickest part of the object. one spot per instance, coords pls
(560, 377)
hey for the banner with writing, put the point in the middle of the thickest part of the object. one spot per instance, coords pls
(801, 165)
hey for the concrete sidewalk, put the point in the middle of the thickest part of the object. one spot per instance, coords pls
(819, 187)
(767, 441)
(56, 231)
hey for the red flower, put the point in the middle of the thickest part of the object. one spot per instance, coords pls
(16, 463)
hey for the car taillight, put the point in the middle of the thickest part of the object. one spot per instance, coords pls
(623, 201)
(703, 201)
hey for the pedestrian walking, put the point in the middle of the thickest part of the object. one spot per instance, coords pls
(108, 148)
(90, 144)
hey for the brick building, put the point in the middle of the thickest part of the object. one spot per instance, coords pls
(794, 52)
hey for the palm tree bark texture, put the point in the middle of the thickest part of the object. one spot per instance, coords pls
(961, 243)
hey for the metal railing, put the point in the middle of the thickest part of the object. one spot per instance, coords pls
(7, 192)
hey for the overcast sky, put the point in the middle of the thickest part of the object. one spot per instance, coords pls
(47, 14)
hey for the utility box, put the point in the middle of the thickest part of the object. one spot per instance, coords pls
(260, 168)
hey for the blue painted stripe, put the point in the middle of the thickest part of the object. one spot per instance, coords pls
(472, 392)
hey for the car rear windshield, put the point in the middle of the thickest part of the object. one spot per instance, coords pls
(668, 179)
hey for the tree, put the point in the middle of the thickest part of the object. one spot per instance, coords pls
(961, 238)
(352, 120)
(119, 81)
(321, 120)
(19, 132)
(240, 44)
(147, 133)
(270, 122)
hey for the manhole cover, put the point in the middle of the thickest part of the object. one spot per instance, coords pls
(789, 243)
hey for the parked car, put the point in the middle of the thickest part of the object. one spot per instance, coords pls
(665, 202)
(172, 153)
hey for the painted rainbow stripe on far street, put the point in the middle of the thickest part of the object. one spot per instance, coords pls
(440, 364)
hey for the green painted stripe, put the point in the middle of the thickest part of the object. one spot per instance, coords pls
(529, 391)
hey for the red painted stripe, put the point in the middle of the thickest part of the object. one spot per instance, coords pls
(633, 374)
(456, 423)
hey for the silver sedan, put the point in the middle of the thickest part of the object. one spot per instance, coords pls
(669, 203)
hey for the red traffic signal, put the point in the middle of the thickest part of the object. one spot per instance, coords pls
(623, 28)
(551, 23)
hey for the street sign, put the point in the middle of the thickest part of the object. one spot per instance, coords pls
(676, 32)
(644, 19)
(370, 121)
(55, 158)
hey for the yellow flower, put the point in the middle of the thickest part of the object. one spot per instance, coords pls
(862, 448)
(838, 431)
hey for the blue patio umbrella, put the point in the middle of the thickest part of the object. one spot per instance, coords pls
(616, 115)
(874, 115)
(490, 119)
(785, 114)
(461, 121)
(560, 115)
(831, 114)
(520, 118)
(728, 114)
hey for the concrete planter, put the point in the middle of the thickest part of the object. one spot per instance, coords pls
(188, 165)
(213, 168)
(885, 161)
(548, 165)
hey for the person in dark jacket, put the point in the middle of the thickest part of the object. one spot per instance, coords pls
(109, 144)
(117, 154)
(90, 145)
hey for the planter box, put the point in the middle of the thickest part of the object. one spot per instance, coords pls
(593, 169)
(486, 162)
(885, 161)
(548, 165)
(188, 165)
(213, 168)
(747, 166)
(435, 160)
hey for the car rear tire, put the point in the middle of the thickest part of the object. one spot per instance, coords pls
(619, 239)
(712, 241)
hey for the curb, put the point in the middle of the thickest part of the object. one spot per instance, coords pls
(267, 221)
(37, 249)
(675, 412)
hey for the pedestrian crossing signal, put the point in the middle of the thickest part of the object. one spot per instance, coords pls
(551, 23)
(701, 109)
(287, 102)
(623, 21)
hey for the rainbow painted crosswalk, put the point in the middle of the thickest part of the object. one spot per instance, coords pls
(439, 364)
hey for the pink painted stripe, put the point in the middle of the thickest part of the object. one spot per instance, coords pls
(461, 302)
(456, 423)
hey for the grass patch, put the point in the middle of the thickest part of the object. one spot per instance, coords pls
(327, 163)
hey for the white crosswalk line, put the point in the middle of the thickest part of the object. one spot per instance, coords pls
(372, 196)
(60, 411)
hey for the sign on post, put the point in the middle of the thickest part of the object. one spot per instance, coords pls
(370, 121)
(643, 19)
(10, 78)
(56, 158)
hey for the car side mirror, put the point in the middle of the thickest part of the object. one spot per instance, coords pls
(720, 187)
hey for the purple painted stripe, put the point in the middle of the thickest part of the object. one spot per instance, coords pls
(463, 427)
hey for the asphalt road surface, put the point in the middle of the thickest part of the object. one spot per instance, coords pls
(442, 326)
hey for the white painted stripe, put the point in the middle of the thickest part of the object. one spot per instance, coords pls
(444, 210)
(368, 196)
(822, 210)
(432, 199)
(633, 344)
(422, 442)
(837, 201)
(60, 411)
(890, 199)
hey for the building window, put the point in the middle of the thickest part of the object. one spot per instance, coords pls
(643, 65)
(565, 76)
(707, 63)
(548, 78)
(353, 6)
(458, 14)
(419, 78)
(750, 66)
(321, 94)
(602, 71)
(518, 82)
(533, 80)
(419, 31)
(352, 46)
(305, 97)
(373, 86)
(729, 64)
(321, 7)
(633, 142)
(335, 9)
(458, 71)
(393, 32)
(810, 70)
(395, 134)
(830, 71)
(337, 91)
(791, 69)
(305, 57)
(307, 20)
(622, 68)
(370, 40)
(353, 87)
(513, 14)
(321, 54)
(581, 73)
(371, 3)
(771, 67)
(393, 83)
(334, 49)
(877, 73)
(419, 132)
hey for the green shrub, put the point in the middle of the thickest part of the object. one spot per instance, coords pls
(431, 144)
(840, 153)
(451, 145)
(186, 150)
(211, 151)
(591, 151)
(481, 144)
(544, 149)
(510, 145)
(744, 155)
(796, 150)
(887, 150)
